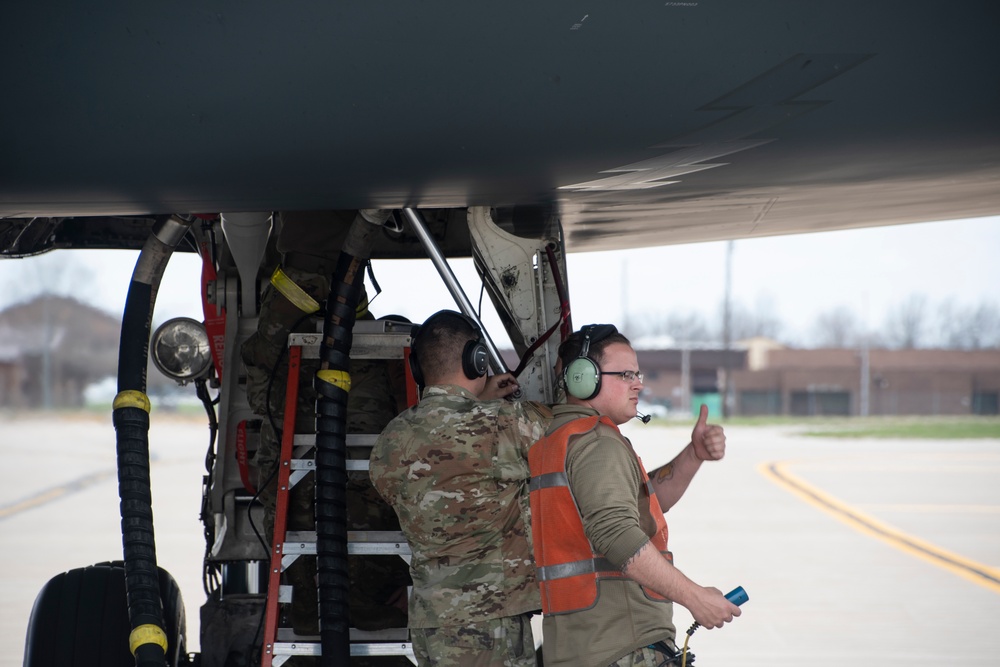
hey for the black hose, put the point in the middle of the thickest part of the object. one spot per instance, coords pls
(148, 639)
(332, 383)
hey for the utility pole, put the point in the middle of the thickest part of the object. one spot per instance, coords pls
(727, 385)
(864, 397)
(46, 351)
(863, 408)
(624, 299)
(686, 378)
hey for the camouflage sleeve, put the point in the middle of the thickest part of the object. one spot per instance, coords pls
(519, 426)
(381, 464)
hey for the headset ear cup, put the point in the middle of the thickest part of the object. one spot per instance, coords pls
(418, 376)
(474, 360)
(582, 378)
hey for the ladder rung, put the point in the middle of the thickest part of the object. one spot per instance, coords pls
(367, 342)
(359, 543)
(313, 648)
(353, 439)
(386, 635)
(380, 648)
(309, 465)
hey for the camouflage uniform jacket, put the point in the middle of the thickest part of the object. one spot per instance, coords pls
(455, 469)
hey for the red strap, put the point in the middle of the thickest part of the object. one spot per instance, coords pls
(241, 456)
(412, 392)
(215, 318)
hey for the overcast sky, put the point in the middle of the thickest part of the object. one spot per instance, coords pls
(795, 278)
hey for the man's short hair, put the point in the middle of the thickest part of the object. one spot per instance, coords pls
(439, 342)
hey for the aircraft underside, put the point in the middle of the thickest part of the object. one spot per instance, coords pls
(654, 123)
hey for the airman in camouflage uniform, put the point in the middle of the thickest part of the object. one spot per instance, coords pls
(310, 243)
(455, 469)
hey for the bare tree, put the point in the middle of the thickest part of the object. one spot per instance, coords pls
(762, 320)
(837, 328)
(906, 323)
(51, 274)
(686, 327)
(971, 328)
(646, 324)
(984, 326)
(681, 326)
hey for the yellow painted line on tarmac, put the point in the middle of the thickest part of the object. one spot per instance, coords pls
(55, 493)
(977, 573)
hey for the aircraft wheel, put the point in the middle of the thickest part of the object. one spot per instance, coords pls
(80, 619)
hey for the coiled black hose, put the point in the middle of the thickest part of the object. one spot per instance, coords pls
(148, 640)
(332, 383)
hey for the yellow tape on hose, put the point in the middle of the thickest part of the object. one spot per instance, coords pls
(295, 294)
(131, 398)
(341, 379)
(147, 634)
(362, 308)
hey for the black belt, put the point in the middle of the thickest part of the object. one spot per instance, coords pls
(672, 654)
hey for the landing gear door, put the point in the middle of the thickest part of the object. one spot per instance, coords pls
(524, 276)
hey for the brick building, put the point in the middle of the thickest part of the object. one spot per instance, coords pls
(768, 379)
(898, 382)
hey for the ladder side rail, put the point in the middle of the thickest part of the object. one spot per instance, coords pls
(281, 505)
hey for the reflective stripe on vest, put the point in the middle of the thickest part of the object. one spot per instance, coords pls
(569, 569)
(591, 565)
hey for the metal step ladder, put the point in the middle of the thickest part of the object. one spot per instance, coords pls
(372, 340)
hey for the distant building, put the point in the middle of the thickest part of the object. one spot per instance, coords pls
(10, 372)
(898, 382)
(682, 379)
(51, 348)
(766, 378)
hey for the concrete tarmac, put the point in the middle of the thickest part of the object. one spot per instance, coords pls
(59, 508)
(868, 551)
(865, 551)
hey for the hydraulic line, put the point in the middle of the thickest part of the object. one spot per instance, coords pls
(332, 383)
(148, 640)
(457, 293)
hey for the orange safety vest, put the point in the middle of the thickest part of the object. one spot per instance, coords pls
(569, 568)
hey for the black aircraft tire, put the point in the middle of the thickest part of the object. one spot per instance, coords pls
(80, 619)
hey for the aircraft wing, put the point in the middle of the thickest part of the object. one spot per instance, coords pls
(643, 123)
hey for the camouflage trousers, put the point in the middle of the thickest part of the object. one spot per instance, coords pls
(501, 642)
(656, 655)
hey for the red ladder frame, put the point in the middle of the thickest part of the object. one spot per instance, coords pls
(281, 506)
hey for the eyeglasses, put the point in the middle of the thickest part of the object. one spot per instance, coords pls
(628, 376)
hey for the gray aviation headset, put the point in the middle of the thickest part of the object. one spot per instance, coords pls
(582, 376)
(475, 358)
